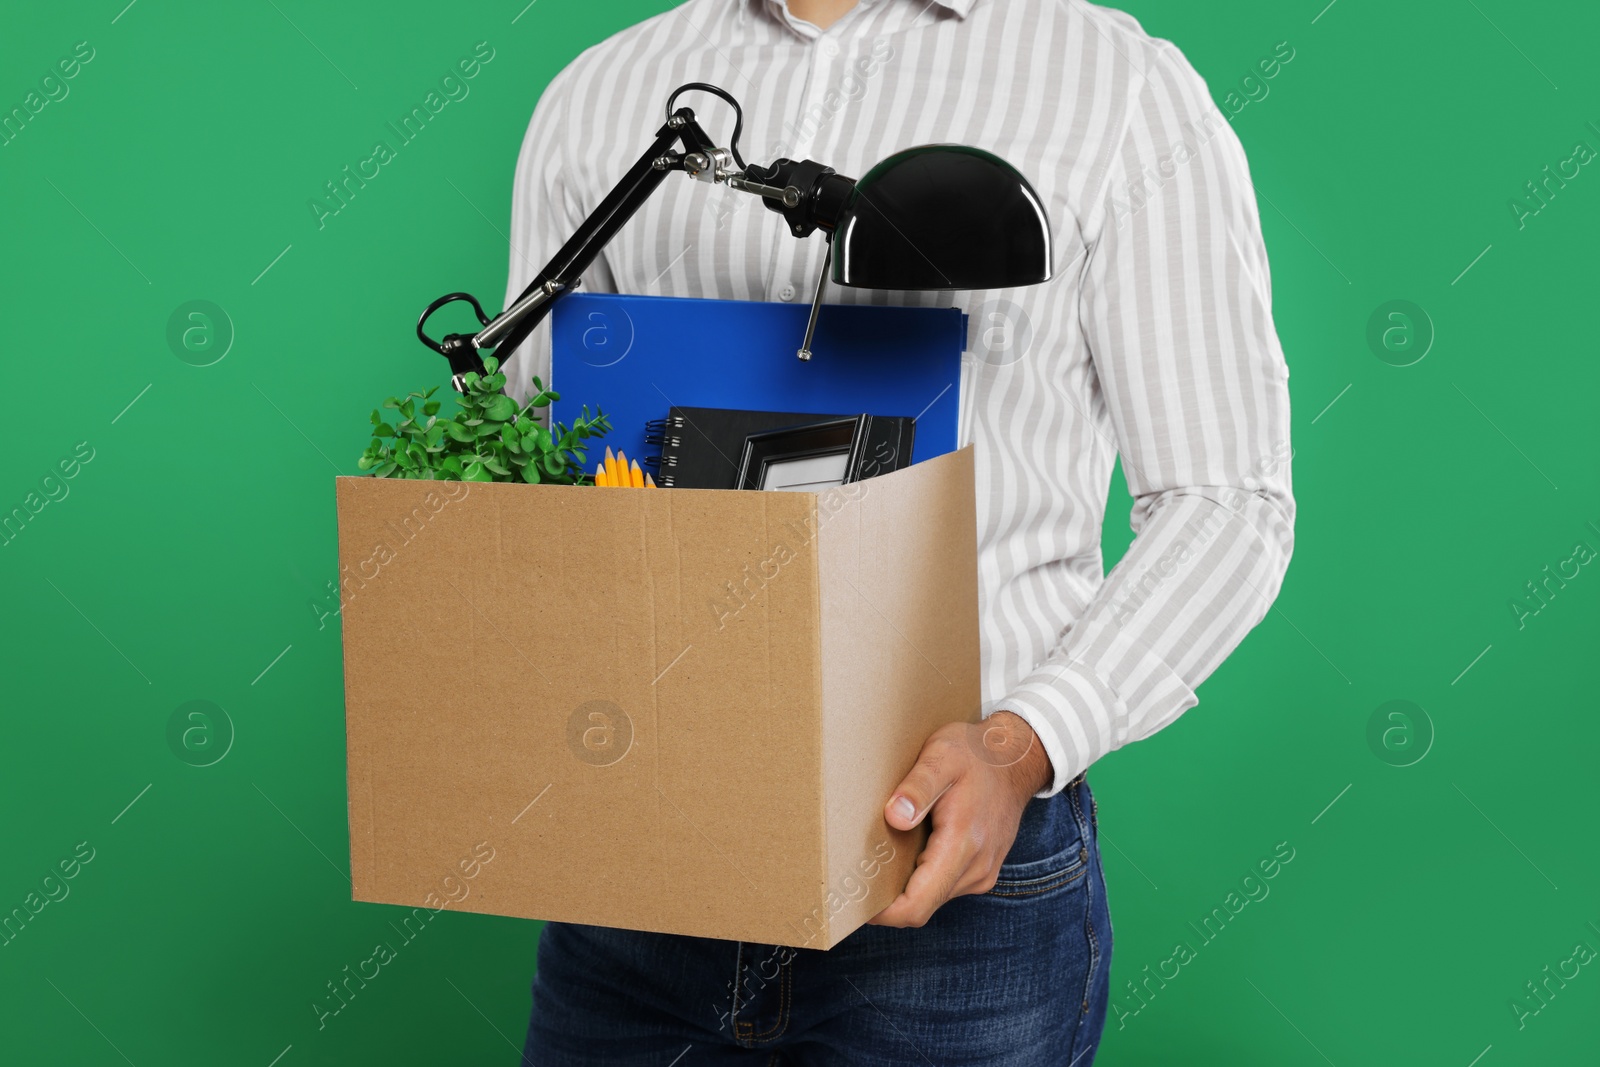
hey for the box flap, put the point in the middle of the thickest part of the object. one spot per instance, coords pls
(898, 567)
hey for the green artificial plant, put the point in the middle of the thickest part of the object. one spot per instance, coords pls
(489, 440)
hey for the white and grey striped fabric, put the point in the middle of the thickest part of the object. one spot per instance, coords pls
(1154, 339)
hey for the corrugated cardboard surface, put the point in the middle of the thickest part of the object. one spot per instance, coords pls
(622, 693)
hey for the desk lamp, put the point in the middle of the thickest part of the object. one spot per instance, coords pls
(931, 217)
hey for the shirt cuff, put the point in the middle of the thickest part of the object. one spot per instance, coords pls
(1072, 713)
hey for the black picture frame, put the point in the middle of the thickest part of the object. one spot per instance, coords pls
(836, 437)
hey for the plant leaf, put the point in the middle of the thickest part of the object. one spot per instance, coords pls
(500, 408)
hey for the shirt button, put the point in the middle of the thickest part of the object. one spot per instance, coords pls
(787, 293)
(830, 47)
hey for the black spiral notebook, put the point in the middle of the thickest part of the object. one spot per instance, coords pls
(701, 447)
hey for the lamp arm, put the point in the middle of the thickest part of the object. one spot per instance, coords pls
(806, 193)
(512, 326)
(563, 271)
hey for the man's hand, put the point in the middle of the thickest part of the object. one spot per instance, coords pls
(975, 778)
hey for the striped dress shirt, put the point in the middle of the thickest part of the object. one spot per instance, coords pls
(1153, 340)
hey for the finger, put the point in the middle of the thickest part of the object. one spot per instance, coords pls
(938, 767)
(940, 869)
(923, 895)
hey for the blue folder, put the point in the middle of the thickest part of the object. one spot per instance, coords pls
(633, 357)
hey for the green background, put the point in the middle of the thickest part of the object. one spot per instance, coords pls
(189, 558)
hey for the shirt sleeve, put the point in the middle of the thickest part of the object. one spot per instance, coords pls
(1176, 308)
(546, 210)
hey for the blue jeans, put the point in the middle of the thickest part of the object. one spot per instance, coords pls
(1016, 977)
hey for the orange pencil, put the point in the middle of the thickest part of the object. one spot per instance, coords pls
(611, 467)
(600, 474)
(635, 475)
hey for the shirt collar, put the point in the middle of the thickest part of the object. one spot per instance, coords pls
(778, 8)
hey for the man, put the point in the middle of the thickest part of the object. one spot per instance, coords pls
(1154, 340)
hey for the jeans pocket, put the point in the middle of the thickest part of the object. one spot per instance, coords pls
(1065, 869)
(1050, 852)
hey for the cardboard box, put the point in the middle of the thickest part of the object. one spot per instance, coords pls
(675, 710)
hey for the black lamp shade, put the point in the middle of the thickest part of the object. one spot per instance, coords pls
(942, 216)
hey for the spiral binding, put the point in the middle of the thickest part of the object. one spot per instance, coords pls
(656, 432)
